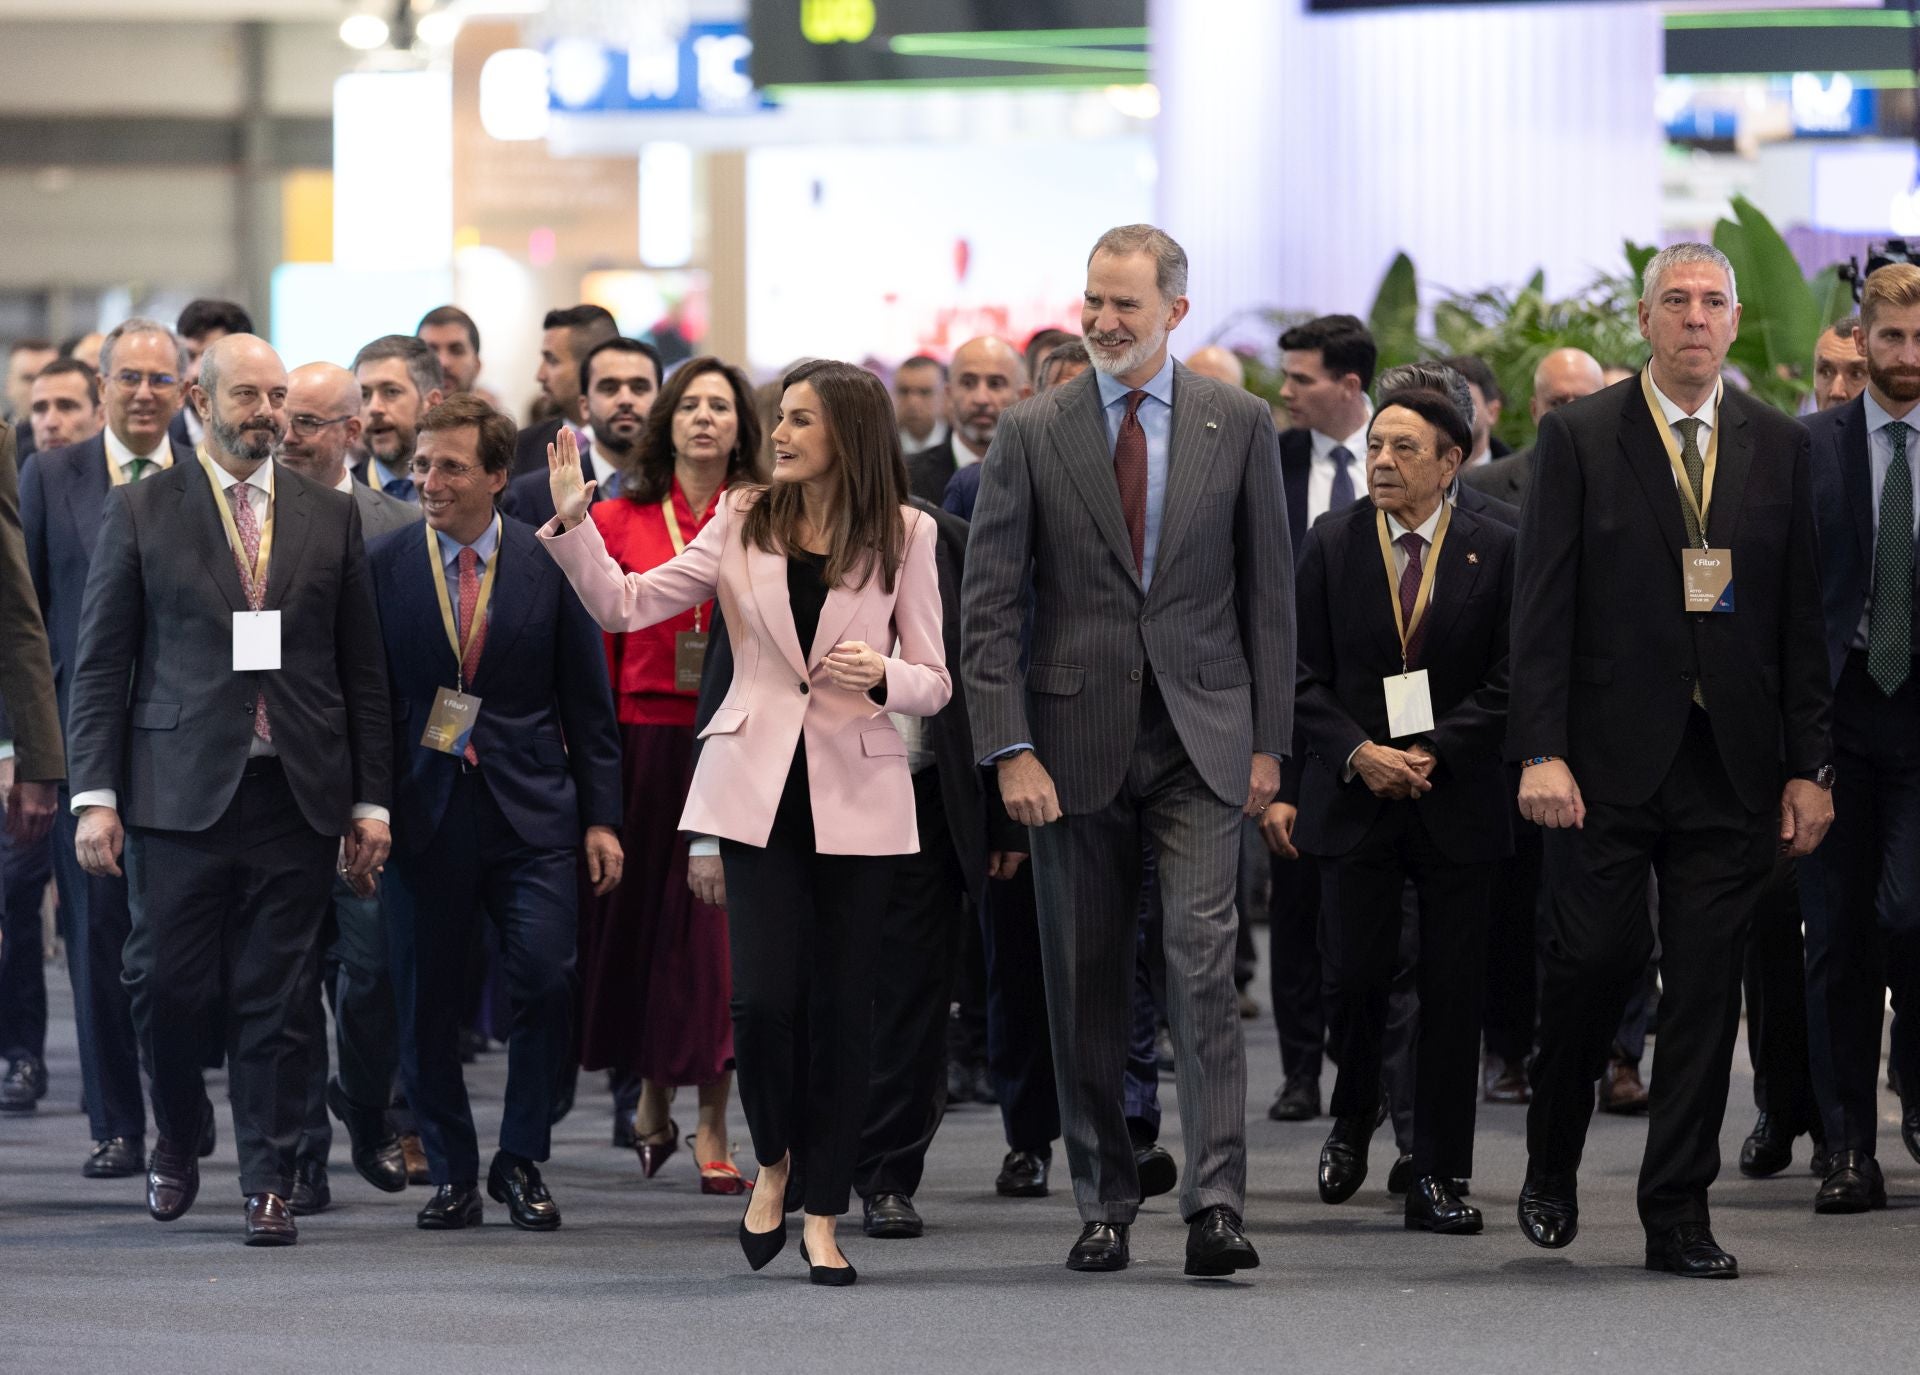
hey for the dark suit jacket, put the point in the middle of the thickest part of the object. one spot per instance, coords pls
(1504, 479)
(963, 490)
(529, 497)
(548, 743)
(178, 432)
(28, 708)
(1843, 503)
(930, 470)
(23, 441)
(1349, 643)
(1604, 654)
(380, 513)
(1296, 462)
(158, 614)
(530, 448)
(1467, 498)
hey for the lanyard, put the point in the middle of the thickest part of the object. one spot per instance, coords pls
(680, 540)
(1425, 594)
(117, 472)
(1709, 460)
(256, 577)
(439, 570)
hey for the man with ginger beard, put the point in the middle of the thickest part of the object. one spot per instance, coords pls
(987, 375)
(400, 381)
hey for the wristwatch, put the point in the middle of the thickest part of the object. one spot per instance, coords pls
(1823, 778)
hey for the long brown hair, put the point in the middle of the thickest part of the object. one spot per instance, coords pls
(649, 477)
(870, 477)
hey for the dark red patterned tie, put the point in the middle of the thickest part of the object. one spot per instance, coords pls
(1130, 472)
(248, 524)
(1409, 594)
(469, 604)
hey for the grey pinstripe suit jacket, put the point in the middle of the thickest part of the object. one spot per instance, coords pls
(1216, 628)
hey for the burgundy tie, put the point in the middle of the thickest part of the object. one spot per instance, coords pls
(1130, 472)
(248, 524)
(469, 604)
(1409, 594)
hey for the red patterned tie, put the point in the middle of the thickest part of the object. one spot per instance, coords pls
(1409, 594)
(1130, 472)
(244, 559)
(470, 603)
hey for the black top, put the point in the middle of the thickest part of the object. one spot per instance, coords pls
(806, 594)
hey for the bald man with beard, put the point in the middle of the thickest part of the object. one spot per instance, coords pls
(987, 375)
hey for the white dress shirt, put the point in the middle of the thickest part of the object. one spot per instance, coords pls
(122, 456)
(909, 445)
(963, 454)
(1322, 468)
(1708, 415)
(1426, 530)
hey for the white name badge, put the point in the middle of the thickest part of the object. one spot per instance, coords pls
(1409, 704)
(256, 641)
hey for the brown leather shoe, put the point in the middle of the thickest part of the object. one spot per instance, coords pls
(416, 1156)
(173, 1180)
(1621, 1089)
(1504, 1083)
(269, 1223)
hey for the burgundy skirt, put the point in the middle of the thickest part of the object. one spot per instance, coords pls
(655, 977)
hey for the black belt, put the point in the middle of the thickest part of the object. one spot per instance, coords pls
(263, 766)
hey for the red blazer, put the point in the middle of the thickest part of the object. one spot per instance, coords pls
(640, 662)
(861, 790)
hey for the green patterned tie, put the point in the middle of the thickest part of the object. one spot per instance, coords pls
(137, 468)
(1696, 467)
(1890, 624)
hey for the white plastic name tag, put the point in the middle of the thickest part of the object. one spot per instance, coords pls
(1409, 704)
(256, 641)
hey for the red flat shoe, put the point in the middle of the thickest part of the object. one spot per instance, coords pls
(721, 1177)
(654, 1154)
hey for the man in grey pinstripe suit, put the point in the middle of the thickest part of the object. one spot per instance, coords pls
(1146, 502)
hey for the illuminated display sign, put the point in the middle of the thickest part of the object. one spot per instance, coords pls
(706, 71)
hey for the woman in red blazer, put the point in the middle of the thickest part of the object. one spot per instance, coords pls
(826, 578)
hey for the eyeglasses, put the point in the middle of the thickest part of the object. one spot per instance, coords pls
(313, 424)
(451, 472)
(130, 380)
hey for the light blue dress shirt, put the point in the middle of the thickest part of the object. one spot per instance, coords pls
(484, 548)
(1156, 418)
(1879, 460)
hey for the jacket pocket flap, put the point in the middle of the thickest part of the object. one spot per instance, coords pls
(155, 715)
(1225, 673)
(726, 720)
(876, 743)
(1590, 670)
(1060, 680)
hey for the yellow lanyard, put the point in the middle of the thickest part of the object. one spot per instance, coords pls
(117, 473)
(439, 571)
(1425, 594)
(1710, 459)
(680, 540)
(256, 577)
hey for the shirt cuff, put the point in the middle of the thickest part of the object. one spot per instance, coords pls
(99, 797)
(366, 811)
(6, 749)
(1346, 769)
(1007, 753)
(703, 847)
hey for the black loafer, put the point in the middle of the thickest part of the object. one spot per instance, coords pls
(1689, 1250)
(1102, 1247)
(1854, 1185)
(452, 1207)
(1217, 1244)
(891, 1217)
(173, 1181)
(1400, 1175)
(1343, 1160)
(270, 1221)
(1768, 1148)
(1549, 1209)
(118, 1157)
(209, 1133)
(1297, 1101)
(517, 1183)
(1910, 1131)
(310, 1191)
(1433, 1205)
(1156, 1170)
(1023, 1174)
(24, 1084)
(375, 1146)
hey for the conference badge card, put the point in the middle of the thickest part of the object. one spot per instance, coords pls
(450, 724)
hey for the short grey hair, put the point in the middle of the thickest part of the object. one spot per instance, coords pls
(139, 324)
(1429, 376)
(1844, 329)
(1169, 259)
(1679, 255)
(423, 365)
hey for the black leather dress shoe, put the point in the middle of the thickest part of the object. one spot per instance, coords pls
(118, 1157)
(375, 1146)
(1343, 1160)
(1768, 1148)
(1910, 1131)
(1102, 1246)
(1023, 1174)
(310, 1191)
(1217, 1245)
(1854, 1185)
(270, 1221)
(173, 1181)
(1691, 1251)
(891, 1217)
(1158, 1174)
(1297, 1101)
(209, 1132)
(1433, 1205)
(452, 1207)
(1549, 1209)
(517, 1183)
(1820, 1163)
(24, 1084)
(1400, 1175)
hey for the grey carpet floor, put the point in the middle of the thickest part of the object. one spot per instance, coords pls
(645, 1275)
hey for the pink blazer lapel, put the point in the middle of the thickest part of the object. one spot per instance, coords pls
(835, 615)
(767, 575)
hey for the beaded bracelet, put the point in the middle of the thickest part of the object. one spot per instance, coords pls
(1539, 759)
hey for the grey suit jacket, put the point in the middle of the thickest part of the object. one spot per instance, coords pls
(26, 670)
(1504, 479)
(380, 513)
(1215, 630)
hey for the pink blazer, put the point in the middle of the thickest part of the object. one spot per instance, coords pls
(856, 761)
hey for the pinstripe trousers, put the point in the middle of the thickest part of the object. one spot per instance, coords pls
(1087, 880)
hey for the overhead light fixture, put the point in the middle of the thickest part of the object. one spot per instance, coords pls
(365, 32)
(437, 28)
(513, 95)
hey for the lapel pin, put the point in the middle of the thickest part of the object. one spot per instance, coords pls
(1213, 424)
(1472, 557)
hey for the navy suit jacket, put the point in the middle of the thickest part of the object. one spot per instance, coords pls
(548, 744)
(529, 497)
(1843, 505)
(63, 500)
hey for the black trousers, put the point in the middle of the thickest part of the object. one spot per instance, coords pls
(1511, 974)
(806, 931)
(477, 870)
(1361, 925)
(1860, 892)
(1019, 1043)
(920, 932)
(25, 871)
(1293, 965)
(1712, 857)
(356, 979)
(95, 921)
(226, 931)
(1776, 991)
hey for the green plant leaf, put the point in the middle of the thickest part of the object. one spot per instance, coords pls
(1394, 319)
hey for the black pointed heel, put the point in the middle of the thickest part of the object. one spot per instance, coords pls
(828, 1276)
(762, 1247)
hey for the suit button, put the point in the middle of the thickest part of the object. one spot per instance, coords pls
(1686, 677)
(802, 687)
(248, 708)
(1133, 675)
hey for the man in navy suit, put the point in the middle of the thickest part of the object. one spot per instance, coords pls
(492, 812)
(1857, 890)
(63, 500)
(619, 379)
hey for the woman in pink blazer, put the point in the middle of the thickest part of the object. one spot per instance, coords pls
(826, 580)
